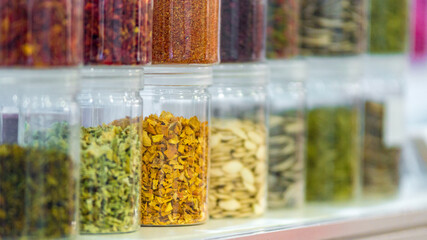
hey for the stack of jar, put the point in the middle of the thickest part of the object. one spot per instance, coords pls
(332, 36)
(40, 52)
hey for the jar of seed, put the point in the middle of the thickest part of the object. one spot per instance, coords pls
(110, 141)
(175, 151)
(286, 134)
(238, 178)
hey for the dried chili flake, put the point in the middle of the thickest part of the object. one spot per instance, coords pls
(174, 170)
(117, 32)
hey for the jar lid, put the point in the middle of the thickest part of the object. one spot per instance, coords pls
(121, 77)
(293, 70)
(177, 75)
(342, 68)
(238, 73)
(38, 76)
(388, 66)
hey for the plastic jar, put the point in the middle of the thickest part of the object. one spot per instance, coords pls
(243, 26)
(39, 154)
(333, 130)
(419, 31)
(286, 163)
(175, 151)
(41, 33)
(283, 28)
(238, 178)
(110, 135)
(186, 32)
(333, 27)
(117, 32)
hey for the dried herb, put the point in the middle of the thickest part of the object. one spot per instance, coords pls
(185, 31)
(40, 33)
(238, 177)
(388, 26)
(286, 160)
(380, 163)
(175, 158)
(332, 27)
(110, 178)
(117, 32)
(332, 154)
(282, 28)
(37, 188)
(242, 30)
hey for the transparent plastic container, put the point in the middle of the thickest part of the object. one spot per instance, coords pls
(117, 32)
(333, 130)
(333, 27)
(238, 178)
(110, 149)
(384, 127)
(175, 152)
(283, 28)
(418, 32)
(286, 163)
(39, 154)
(186, 33)
(243, 27)
(42, 33)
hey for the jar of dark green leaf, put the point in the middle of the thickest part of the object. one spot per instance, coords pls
(110, 140)
(333, 130)
(39, 153)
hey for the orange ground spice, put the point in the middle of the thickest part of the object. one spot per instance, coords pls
(185, 31)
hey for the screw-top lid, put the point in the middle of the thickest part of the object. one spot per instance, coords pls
(248, 73)
(119, 77)
(176, 75)
(385, 66)
(293, 70)
(334, 68)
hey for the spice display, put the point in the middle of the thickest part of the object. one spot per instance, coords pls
(332, 154)
(9, 128)
(238, 180)
(282, 28)
(380, 163)
(37, 187)
(110, 178)
(40, 33)
(286, 160)
(175, 158)
(185, 32)
(242, 30)
(117, 32)
(332, 27)
(388, 26)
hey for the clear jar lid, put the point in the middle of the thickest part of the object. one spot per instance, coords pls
(175, 75)
(287, 70)
(335, 68)
(105, 77)
(234, 73)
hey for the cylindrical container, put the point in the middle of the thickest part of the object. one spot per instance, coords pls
(186, 32)
(333, 27)
(419, 31)
(243, 24)
(333, 130)
(39, 154)
(117, 32)
(282, 28)
(388, 26)
(384, 126)
(43, 33)
(175, 151)
(110, 140)
(238, 178)
(286, 163)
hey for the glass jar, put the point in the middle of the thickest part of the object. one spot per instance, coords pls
(286, 163)
(282, 28)
(238, 178)
(41, 33)
(243, 26)
(39, 154)
(333, 130)
(419, 31)
(175, 151)
(110, 136)
(333, 27)
(186, 33)
(117, 32)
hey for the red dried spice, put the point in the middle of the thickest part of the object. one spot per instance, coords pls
(40, 33)
(117, 32)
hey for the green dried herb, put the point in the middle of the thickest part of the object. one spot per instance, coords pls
(380, 163)
(37, 187)
(332, 154)
(388, 26)
(110, 178)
